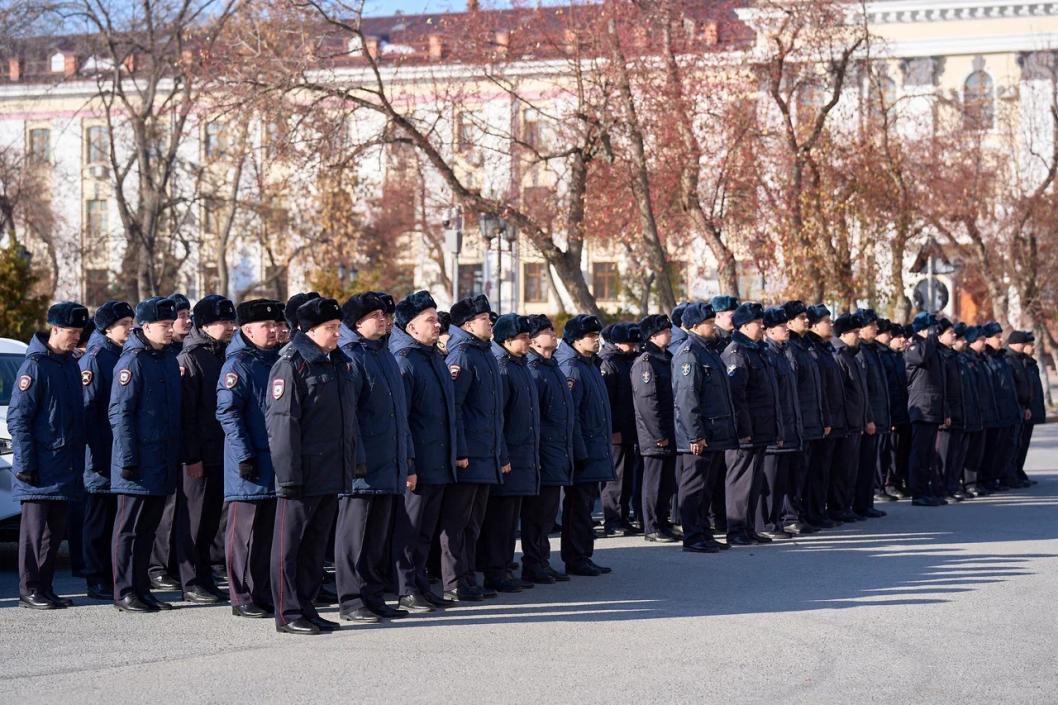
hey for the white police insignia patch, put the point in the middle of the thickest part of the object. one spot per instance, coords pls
(645, 376)
(278, 387)
(454, 370)
(731, 368)
(571, 382)
(230, 380)
(24, 382)
(86, 377)
(124, 377)
(685, 369)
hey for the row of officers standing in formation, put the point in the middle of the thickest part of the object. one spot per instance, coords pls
(396, 442)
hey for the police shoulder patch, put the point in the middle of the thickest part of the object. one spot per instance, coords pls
(24, 382)
(86, 377)
(685, 368)
(230, 380)
(278, 387)
(124, 377)
(731, 368)
(645, 376)
(571, 382)
(454, 370)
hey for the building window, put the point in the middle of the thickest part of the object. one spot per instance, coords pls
(98, 145)
(466, 132)
(604, 279)
(534, 282)
(95, 220)
(532, 131)
(978, 102)
(96, 286)
(39, 145)
(471, 280)
(216, 140)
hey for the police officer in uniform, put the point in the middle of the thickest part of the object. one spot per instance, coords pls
(314, 440)
(869, 487)
(847, 470)
(704, 423)
(973, 358)
(778, 460)
(521, 430)
(145, 418)
(385, 466)
(1025, 380)
(290, 311)
(679, 334)
(47, 430)
(951, 450)
(249, 479)
(898, 449)
(725, 307)
(618, 353)
(810, 409)
(654, 407)
(822, 453)
(1001, 446)
(928, 409)
(1037, 408)
(754, 396)
(971, 421)
(557, 418)
(113, 323)
(577, 356)
(481, 455)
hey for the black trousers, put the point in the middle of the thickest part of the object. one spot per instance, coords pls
(538, 518)
(41, 530)
(866, 474)
(844, 468)
(975, 451)
(922, 476)
(498, 530)
(793, 509)
(97, 529)
(248, 551)
(820, 459)
(951, 456)
(163, 553)
(135, 528)
(1024, 440)
(695, 480)
(75, 536)
(774, 488)
(884, 459)
(196, 518)
(217, 549)
(745, 472)
(1000, 447)
(361, 555)
(462, 511)
(617, 494)
(415, 521)
(901, 457)
(578, 535)
(299, 540)
(659, 485)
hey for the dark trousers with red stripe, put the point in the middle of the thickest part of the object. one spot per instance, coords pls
(135, 523)
(361, 550)
(248, 549)
(97, 530)
(415, 521)
(299, 540)
(41, 530)
(199, 502)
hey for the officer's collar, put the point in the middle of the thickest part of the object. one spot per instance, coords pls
(534, 355)
(461, 337)
(649, 347)
(38, 347)
(743, 339)
(349, 336)
(308, 348)
(501, 352)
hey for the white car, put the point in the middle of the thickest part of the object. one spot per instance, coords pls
(12, 353)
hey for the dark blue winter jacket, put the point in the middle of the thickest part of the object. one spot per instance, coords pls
(557, 420)
(479, 407)
(592, 458)
(521, 425)
(97, 378)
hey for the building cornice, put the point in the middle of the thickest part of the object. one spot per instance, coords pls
(906, 11)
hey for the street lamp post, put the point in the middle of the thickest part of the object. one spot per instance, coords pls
(498, 228)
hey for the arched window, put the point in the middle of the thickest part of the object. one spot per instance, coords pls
(978, 101)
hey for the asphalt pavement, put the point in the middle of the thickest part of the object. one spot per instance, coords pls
(953, 604)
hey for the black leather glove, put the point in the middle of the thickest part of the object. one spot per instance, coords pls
(248, 469)
(360, 471)
(28, 477)
(290, 491)
(130, 473)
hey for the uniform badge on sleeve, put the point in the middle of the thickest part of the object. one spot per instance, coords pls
(454, 370)
(278, 387)
(124, 377)
(571, 382)
(86, 377)
(685, 368)
(230, 380)
(731, 369)
(24, 382)
(645, 377)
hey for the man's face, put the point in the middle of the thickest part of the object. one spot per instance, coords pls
(898, 343)
(518, 345)
(372, 326)
(851, 338)
(978, 345)
(587, 345)
(779, 333)
(182, 324)
(947, 338)
(869, 332)
(799, 323)
(625, 347)
(995, 342)
(389, 322)
(959, 345)
(159, 333)
(706, 329)
(63, 339)
(884, 338)
(325, 335)
(480, 326)
(545, 341)
(1017, 347)
(1030, 349)
(424, 328)
(263, 334)
(754, 330)
(662, 338)
(824, 328)
(119, 332)
(723, 320)
(282, 332)
(220, 330)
